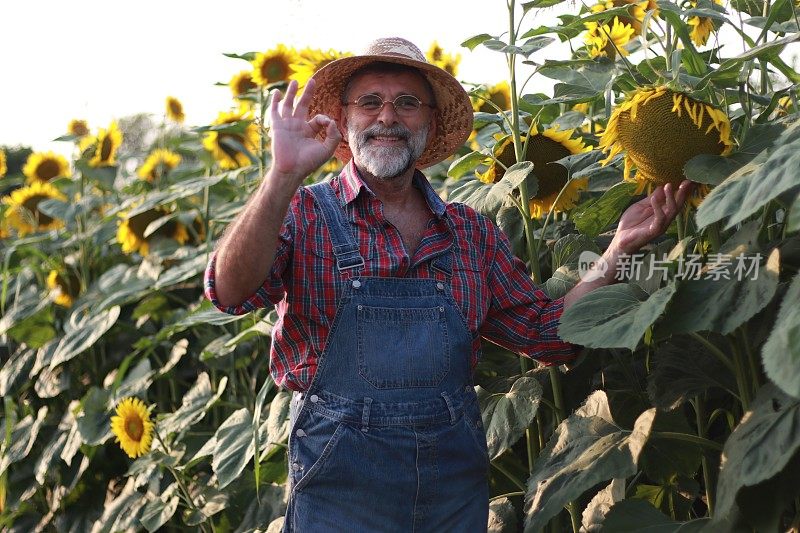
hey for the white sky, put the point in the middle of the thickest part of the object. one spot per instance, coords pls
(101, 60)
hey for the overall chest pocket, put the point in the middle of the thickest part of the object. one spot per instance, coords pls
(402, 347)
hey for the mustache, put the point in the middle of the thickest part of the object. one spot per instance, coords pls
(388, 131)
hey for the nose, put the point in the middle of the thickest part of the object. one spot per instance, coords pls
(388, 114)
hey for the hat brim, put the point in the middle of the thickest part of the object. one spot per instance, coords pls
(453, 106)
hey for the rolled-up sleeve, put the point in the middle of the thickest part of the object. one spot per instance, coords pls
(521, 317)
(273, 288)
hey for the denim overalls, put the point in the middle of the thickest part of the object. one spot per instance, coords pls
(388, 437)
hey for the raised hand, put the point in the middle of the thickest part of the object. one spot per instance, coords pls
(296, 149)
(649, 217)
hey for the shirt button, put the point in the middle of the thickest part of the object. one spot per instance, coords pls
(314, 398)
(300, 433)
(356, 283)
(440, 286)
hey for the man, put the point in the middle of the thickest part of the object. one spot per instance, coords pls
(383, 293)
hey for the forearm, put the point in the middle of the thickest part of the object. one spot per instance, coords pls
(247, 249)
(611, 257)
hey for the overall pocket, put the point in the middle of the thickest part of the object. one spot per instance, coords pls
(402, 347)
(311, 446)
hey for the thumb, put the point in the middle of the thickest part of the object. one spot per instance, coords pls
(332, 136)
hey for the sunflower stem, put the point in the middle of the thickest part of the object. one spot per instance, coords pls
(755, 374)
(716, 352)
(511, 477)
(741, 378)
(699, 413)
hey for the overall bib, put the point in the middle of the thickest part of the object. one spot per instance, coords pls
(388, 437)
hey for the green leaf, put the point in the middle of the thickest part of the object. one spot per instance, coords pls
(475, 194)
(567, 249)
(614, 316)
(586, 449)
(22, 439)
(17, 366)
(743, 194)
(157, 512)
(122, 512)
(793, 220)
(592, 76)
(28, 303)
(634, 516)
(502, 516)
(593, 218)
(507, 416)
(188, 269)
(759, 448)
(194, 405)
(594, 515)
(569, 120)
(721, 305)
(234, 446)
(476, 40)
(781, 352)
(277, 423)
(94, 419)
(88, 332)
(540, 4)
(465, 164)
(247, 56)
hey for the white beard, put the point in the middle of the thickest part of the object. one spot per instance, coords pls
(387, 162)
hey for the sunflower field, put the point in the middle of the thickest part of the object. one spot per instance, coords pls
(131, 403)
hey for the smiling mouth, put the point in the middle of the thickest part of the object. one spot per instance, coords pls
(386, 139)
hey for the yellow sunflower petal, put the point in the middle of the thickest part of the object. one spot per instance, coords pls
(132, 427)
(23, 213)
(45, 166)
(228, 156)
(274, 65)
(106, 145)
(158, 163)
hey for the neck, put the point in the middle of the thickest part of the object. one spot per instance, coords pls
(393, 191)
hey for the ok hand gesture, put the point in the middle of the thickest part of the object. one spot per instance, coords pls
(296, 150)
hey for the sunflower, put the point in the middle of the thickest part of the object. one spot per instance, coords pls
(130, 230)
(228, 156)
(310, 60)
(3, 164)
(175, 110)
(447, 62)
(78, 128)
(132, 427)
(22, 212)
(65, 286)
(274, 65)
(543, 149)
(106, 145)
(499, 95)
(637, 10)
(45, 166)
(158, 163)
(605, 41)
(701, 26)
(242, 83)
(660, 130)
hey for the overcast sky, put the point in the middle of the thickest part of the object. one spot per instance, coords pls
(100, 60)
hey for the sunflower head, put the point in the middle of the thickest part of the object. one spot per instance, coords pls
(174, 109)
(660, 130)
(65, 286)
(499, 95)
(106, 145)
(23, 213)
(242, 83)
(604, 40)
(45, 166)
(447, 62)
(637, 10)
(78, 128)
(310, 60)
(543, 149)
(701, 26)
(3, 164)
(273, 65)
(158, 163)
(225, 152)
(131, 230)
(132, 427)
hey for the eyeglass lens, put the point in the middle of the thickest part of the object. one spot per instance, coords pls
(405, 104)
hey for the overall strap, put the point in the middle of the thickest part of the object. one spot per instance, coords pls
(345, 246)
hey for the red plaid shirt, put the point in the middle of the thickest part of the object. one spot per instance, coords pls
(490, 285)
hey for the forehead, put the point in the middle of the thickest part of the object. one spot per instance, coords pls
(388, 83)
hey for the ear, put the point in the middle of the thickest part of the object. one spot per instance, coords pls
(341, 122)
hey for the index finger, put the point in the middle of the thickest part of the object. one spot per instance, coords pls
(305, 99)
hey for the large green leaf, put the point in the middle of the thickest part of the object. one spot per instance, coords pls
(755, 185)
(586, 449)
(159, 510)
(122, 512)
(190, 268)
(759, 448)
(22, 439)
(614, 316)
(594, 515)
(17, 366)
(88, 331)
(465, 164)
(475, 194)
(28, 303)
(638, 516)
(234, 446)
(592, 218)
(194, 405)
(781, 352)
(94, 420)
(506, 416)
(721, 305)
(277, 423)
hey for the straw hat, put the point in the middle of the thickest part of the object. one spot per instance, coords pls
(453, 106)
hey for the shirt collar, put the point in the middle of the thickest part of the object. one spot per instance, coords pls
(352, 184)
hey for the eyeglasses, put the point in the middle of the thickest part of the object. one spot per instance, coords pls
(405, 105)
